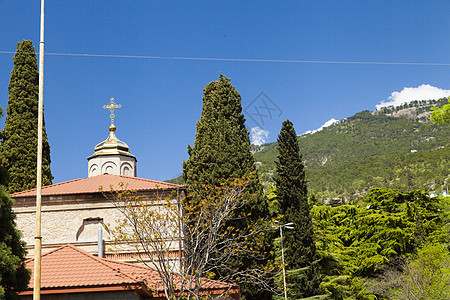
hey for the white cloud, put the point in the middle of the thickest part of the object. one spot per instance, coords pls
(258, 135)
(408, 94)
(327, 123)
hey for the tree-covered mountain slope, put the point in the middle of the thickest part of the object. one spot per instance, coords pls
(394, 147)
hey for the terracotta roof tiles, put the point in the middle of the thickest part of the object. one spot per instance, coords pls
(69, 267)
(92, 185)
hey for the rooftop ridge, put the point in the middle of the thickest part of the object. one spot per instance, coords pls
(92, 185)
(47, 253)
(156, 284)
(47, 186)
(105, 262)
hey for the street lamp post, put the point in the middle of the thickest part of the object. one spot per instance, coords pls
(287, 226)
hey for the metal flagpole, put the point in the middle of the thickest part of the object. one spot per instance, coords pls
(38, 238)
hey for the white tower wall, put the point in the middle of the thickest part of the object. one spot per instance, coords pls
(112, 164)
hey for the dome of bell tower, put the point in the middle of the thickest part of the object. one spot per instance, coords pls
(112, 145)
(112, 156)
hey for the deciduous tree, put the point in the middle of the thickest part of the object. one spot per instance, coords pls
(155, 226)
(441, 115)
(426, 275)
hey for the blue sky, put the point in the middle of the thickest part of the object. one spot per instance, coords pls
(161, 98)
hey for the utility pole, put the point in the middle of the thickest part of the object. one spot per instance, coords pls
(38, 238)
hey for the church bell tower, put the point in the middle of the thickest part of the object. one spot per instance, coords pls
(112, 156)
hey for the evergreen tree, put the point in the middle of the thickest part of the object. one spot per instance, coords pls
(362, 247)
(221, 153)
(291, 190)
(420, 234)
(13, 275)
(18, 149)
(222, 147)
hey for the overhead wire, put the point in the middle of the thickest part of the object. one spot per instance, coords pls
(240, 59)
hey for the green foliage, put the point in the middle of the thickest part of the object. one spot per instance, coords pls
(371, 149)
(426, 276)
(221, 149)
(13, 275)
(368, 150)
(291, 191)
(441, 115)
(18, 149)
(221, 153)
(357, 242)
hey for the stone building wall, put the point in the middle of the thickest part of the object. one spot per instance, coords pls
(76, 219)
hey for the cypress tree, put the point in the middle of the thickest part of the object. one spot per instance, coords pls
(222, 147)
(18, 149)
(13, 275)
(291, 190)
(221, 153)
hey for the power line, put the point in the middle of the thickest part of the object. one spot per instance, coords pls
(240, 59)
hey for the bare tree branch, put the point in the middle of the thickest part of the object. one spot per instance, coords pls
(155, 226)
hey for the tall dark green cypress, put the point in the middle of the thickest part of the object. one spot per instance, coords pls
(221, 153)
(13, 275)
(222, 147)
(291, 190)
(18, 149)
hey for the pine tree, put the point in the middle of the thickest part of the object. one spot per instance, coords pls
(291, 190)
(221, 153)
(13, 275)
(18, 149)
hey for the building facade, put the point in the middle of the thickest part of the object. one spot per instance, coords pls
(82, 212)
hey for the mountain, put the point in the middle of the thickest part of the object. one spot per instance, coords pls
(395, 147)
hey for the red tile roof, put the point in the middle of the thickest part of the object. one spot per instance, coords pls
(68, 268)
(92, 185)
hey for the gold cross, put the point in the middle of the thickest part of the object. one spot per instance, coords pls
(112, 106)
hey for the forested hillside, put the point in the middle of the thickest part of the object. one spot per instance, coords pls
(393, 148)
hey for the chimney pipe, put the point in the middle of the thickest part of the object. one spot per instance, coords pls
(100, 242)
